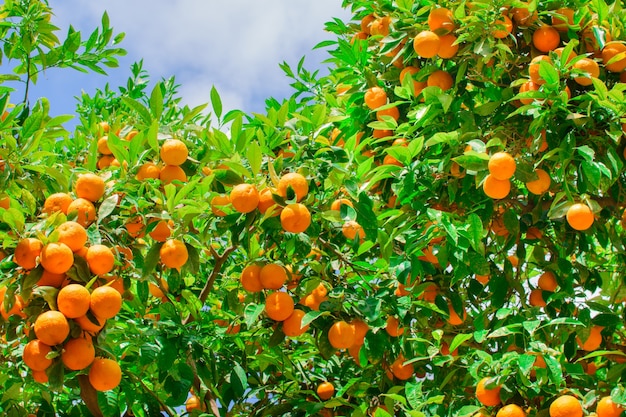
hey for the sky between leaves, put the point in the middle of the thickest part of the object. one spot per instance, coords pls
(235, 45)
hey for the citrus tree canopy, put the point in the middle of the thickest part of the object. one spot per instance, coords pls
(434, 228)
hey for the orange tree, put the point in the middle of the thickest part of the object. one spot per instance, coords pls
(434, 228)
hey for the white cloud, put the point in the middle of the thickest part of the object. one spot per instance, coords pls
(235, 45)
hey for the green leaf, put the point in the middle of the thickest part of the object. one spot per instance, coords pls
(156, 101)
(548, 72)
(252, 313)
(152, 259)
(141, 110)
(473, 161)
(216, 102)
(255, 157)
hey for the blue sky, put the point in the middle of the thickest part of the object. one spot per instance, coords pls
(235, 45)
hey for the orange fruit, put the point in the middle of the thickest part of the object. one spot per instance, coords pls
(89, 326)
(441, 18)
(454, 318)
(100, 259)
(511, 410)
(546, 38)
(501, 165)
(360, 330)
(523, 17)
(441, 79)
(193, 403)
(244, 198)
(105, 302)
(162, 231)
(562, 19)
(27, 251)
(579, 216)
(51, 280)
(295, 218)
(148, 170)
(528, 86)
(426, 44)
(135, 227)
(273, 276)
(566, 406)
(325, 390)
(5, 201)
(72, 234)
(251, 278)
(393, 328)
(105, 374)
(73, 300)
(392, 112)
(380, 27)
(366, 22)
(533, 68)
(292, 325)
(279, 306)
(486, 396)
(589, 67)
(34, 355)
(593, 341)
(536, 299)
(52, 327)
(502, 28)
(297, 182)
(174, 253)
(131, 135)
(89, 186)
(541, 184)
(547, 281)
(483, 279)
(103, 146)
(341, 335)
(217, 203)
(401, 370)
(84, 211)
(375, 97)
(336, 205)
(351, 229)
(42, 378)
(104, 127)
(56, 258)
(170, 173)
(447, 47)
(607, 408)
(57, 202)
(266, 201)
(174, 152)
(495, 188)
(78, 353)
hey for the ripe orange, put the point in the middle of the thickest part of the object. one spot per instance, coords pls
(392, 112)
(5, 201)
(360, 331)
(447, 47)
(533, 68)
(78, 353)
(193, 403)
(503, 28)
(562, 19)
(579, 216)
(401, 370)
(84, 211)
(501, 165)
(162, 231)
(170, 173)
(523, 17)
(483, 279)
(441, 79)
(441, 18)
(51, 327)
(292, 325)
(279, 306)
(366, 22)
(351, 229)
(593, 341)
(266, 201)
(51, 280)
(72, 234)
(89, 326)
(103, 146)
(566, 406)
(297, 182)
(547, 281)
(541, 184)
(589, 67)
(426, 44)
(105, 302)
(341, 335)
(380, 26)
(56, 258)
(393, 328)
(174, 152)
(511, 410)
(526, 87)
(105, 374)
(217, 203)
(57, 202)
(148, 170)
(100, 259)
(34, 355)
(375, 97)
(27, 251)
(454, 319)
(135, 227)
(546, 38)
(336, 205)
(295, 218)
(536, 299)
(89, 186)
(495, 188)
(251, 278)
(244, 197)
(174, 253)
(486, 396)
(325, 390)
(73, 300)
(273, 276)
(607, 408)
